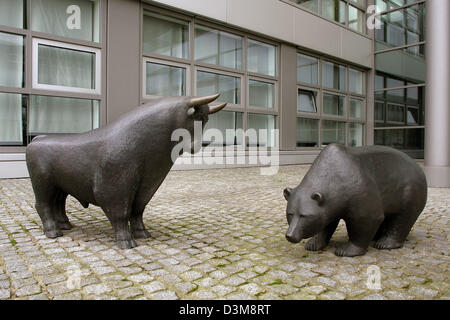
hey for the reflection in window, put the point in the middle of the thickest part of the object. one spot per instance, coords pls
(355, 138)
(356, 108)
(164, 80)
(11, 60)
(261, 94)
(50, 16)
(10, 118)
(261, 122)
(261, 58)
(333, 104)
(307, 69)
(11, 13)
(333, 76)
(165, 35)
(62, 115)
(307, 132)
(229, 87)
(333, 132)
(218, 47)
(66, 67)
(227, 122)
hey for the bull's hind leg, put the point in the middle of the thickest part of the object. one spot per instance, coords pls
(62, 220)
(47, 210)
(137, 226)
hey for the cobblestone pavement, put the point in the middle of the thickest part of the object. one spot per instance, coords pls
(215, 234)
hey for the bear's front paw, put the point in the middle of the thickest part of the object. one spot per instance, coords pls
(315, 244)
(350, 250)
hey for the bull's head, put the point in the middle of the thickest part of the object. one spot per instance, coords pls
(199, 110)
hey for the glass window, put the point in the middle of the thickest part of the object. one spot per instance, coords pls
(10, 118)
(306, 101)
(261, 58)
(334, 10)
(66, 67)
(355, 138)
(229, 87)
(227, 122)
(307, 69)
(356, 81)
(218, 47)
(260, 122)
(66, 18)
(333, 132)
(165, 35)
(11, 13)
(355, 19)
(333, 104)
(379, 111)
(356, 108)
(62, 115)
(395, 113)
(307, 132)
(333, 76)
(165, 80)
(11, 60)
(261, 94)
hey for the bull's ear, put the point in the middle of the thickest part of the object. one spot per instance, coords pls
(287, 193)
(318, 197)
(201, 101)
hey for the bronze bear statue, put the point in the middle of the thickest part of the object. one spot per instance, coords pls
(378, 191)
(117, 167)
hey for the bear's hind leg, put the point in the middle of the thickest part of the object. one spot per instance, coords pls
(395, 231)
(321, 240)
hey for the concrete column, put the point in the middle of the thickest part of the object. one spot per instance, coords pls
(437, 132)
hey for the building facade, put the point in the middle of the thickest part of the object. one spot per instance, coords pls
(319, 71)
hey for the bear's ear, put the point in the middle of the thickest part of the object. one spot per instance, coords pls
(287, 193)
(318, 197)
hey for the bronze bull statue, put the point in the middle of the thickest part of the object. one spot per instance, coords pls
(118, 167)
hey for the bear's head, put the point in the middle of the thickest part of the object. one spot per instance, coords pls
(305, 213)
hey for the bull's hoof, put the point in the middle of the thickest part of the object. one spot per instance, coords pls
(315, 244)
(140, 234)
(65, 225)
(52, 234)
(387, 243)
(350, 250)
(126, 244)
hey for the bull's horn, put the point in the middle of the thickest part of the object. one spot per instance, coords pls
(214, 109)
(200, 101)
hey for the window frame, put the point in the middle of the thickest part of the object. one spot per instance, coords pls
(56, 44)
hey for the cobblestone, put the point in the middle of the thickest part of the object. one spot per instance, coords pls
(218, 235)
